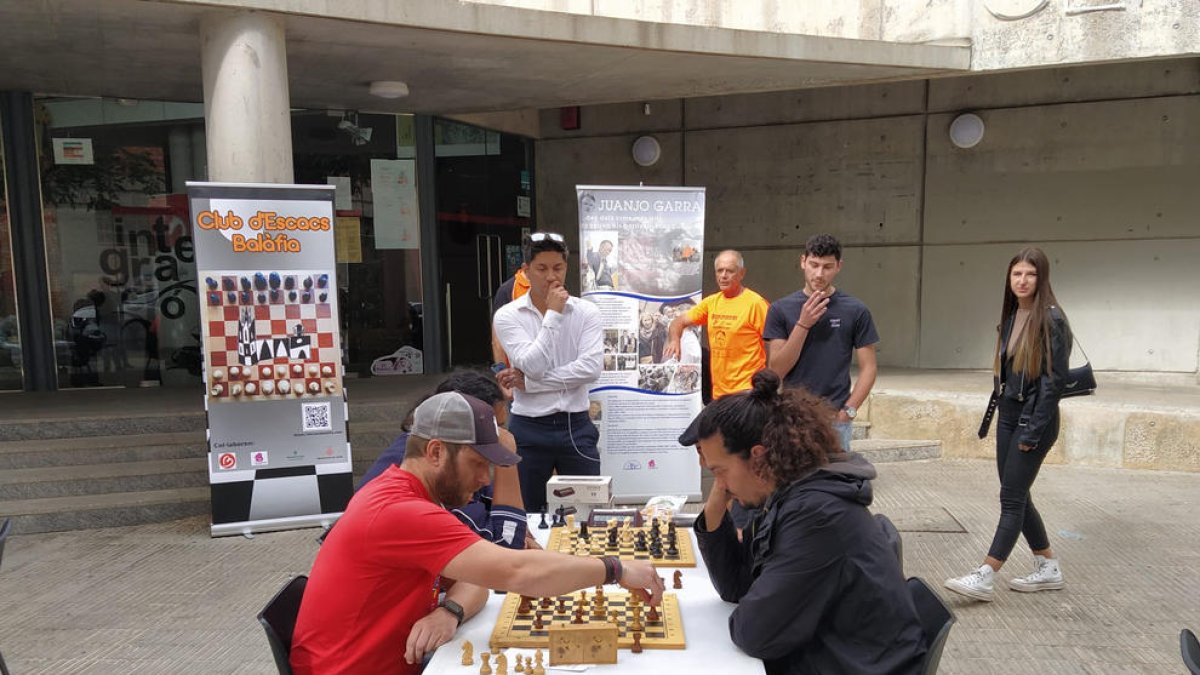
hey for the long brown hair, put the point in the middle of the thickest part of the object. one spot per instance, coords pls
(1033, 347)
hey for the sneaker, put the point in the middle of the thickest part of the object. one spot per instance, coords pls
(1046, 577)
(977, 584)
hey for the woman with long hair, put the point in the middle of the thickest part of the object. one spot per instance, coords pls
(1030, 369)
(817, 584)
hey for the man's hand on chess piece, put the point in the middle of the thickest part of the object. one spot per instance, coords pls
(428, 633)
(641, 578)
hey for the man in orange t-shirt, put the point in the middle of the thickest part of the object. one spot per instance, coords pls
(735, 317)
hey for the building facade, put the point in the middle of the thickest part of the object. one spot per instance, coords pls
(796, 119)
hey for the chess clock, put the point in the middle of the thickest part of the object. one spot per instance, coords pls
(602, 517)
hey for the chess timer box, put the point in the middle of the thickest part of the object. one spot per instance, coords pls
(583, 492)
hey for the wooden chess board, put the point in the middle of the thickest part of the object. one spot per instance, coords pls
(567, 540)
(515, 629)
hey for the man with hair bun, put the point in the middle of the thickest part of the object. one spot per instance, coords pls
(818, 586)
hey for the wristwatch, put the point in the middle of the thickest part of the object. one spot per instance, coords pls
(851, 411)
(452, 607)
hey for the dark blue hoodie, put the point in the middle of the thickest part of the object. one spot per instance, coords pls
(818, 586)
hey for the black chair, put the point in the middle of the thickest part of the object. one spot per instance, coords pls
(278, 619)
(1190, 648)
(5, 528)
(892, 535)
(936, 620)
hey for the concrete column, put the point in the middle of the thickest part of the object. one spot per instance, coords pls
(246, 106)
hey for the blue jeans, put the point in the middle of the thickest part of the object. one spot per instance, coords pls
(562, 442)
(844, 430)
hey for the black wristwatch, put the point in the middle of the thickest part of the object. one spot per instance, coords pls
(454, 608)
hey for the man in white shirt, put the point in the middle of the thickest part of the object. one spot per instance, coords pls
(555, 345)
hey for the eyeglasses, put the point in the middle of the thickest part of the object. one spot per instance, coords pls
(542, 236)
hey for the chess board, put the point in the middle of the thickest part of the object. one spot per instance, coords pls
(514, 629)
(566, 540)
(270, 337)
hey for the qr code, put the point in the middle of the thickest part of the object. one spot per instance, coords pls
(316, 417)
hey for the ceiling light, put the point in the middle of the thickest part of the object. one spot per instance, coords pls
(389, 89)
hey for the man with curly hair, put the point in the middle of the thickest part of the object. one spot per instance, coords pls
(818, 586)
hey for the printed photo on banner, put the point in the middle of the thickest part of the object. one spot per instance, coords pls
(599, 261)
(271, 335)
(654, 320)
(669, 379)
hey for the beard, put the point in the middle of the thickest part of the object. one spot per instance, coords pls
(447, 487)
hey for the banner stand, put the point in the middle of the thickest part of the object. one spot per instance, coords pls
(279, 455)
(640, 252)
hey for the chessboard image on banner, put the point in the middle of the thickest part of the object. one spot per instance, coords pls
(271, 335)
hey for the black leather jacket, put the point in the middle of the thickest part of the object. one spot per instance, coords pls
(1039, 396)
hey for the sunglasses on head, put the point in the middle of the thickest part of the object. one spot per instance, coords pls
(542, 236)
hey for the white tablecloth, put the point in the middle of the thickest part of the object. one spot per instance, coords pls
(705, 626)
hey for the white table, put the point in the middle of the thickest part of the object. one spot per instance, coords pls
(705, 626)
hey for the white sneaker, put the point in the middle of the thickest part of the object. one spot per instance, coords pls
(977, 584)
(1046, 577)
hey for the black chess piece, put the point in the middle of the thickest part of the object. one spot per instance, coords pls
(231, 297)
(289, 283)
(211, 283)
(639, 542)
(245, 283)
(274, 280)
(672, 550)
(583, 531)
(307, 282)
(543, 525)
(322, 281)
(227, 284)
(260, 281)
(214, 298)
(291, 296)
(262, 298)
(245, 297)
(612, 537)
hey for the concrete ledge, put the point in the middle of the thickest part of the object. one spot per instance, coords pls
(879, 451)
(1096, 430)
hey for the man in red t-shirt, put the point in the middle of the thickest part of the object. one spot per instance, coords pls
(372, 602)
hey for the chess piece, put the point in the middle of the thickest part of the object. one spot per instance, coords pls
(571, 521)
(612, 537)
(578, 615)
(562, 605)
(546, 602)
(525, 606)
(678, 580)
(519, 667)
(672, 550)
(501, 664)
(652, 616)
(468, 657)
(485, 667)
(637, 625)
(538, 668)
(583, 530)
(614, 617)
(537, 622)
(542, 525)
(637, 643)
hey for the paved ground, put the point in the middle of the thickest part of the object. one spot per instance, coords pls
(168, 599)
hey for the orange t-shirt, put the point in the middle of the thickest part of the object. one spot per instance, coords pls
(520, 284)
(735, 328)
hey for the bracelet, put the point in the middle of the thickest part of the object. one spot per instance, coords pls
(803, 326)
(612, 569)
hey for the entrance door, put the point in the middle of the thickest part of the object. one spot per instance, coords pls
(483, 207)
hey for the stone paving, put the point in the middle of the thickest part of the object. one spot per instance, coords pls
(166, 598)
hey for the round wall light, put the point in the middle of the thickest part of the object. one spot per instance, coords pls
(966, 130)
(389, 89)
(646, 151)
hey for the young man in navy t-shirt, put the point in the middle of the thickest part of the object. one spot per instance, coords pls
(812, 335)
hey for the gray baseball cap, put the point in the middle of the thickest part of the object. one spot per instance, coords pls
(463, 420)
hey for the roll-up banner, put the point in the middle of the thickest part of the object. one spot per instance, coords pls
(640, 251)
(278, 452)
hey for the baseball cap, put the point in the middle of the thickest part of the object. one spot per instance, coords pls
(463, 420)
(691, 435)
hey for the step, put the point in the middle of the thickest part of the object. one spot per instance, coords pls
(860, 430)
(92, 479)
(56, 514)
(31, 454)
(886, 450)
(371, 412)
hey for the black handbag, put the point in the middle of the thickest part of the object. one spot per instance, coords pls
(1081, 381)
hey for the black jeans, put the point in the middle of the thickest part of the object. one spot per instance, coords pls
(563, 442)
(1017, 471)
